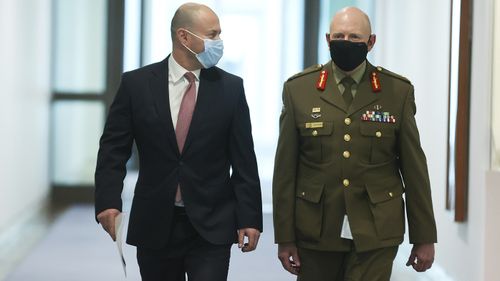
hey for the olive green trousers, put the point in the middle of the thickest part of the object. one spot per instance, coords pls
(375, 265)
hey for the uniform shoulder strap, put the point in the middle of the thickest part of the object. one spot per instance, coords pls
(392, 74)
(311, 69)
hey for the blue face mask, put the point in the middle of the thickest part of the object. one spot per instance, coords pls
(212, 53)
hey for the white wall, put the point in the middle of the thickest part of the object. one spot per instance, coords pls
(24, 107)
(492, 207)
(413, 40)
(495, 104)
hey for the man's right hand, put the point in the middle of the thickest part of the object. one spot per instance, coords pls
(289, 257)
(107, 219)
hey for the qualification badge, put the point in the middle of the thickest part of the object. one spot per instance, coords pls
(375, 82)
(316, 112)
(321, 84)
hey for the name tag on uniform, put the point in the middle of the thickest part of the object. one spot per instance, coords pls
(346, 229)
(313, 125)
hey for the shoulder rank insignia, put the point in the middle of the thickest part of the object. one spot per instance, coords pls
(321, 84)
(392, 74)
(375, 82)
(306, 71)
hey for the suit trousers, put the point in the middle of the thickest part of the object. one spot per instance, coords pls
(375, 265)
(186, 252)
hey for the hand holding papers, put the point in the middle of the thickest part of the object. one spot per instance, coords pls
(119, 222)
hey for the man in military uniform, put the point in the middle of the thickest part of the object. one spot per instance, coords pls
(348, 149)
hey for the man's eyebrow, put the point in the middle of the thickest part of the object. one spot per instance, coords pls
(214, 31)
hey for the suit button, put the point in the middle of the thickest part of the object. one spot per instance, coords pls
(303, 194)
(345, 182)
(346, 154)
(390, 194)
(347, 137)
(347, 121)
(181, 163)
(314, 133)
(378, 134)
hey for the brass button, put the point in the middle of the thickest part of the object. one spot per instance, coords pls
(314, 132)
(347, 137)
(346, 154)
(347, 121)
(378, 134)
(303, 193)
(345, 182)
(390, 194)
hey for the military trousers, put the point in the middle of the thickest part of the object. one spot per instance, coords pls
(375, 265)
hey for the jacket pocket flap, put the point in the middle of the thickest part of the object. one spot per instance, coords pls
(376, 130)
(310, 192)
(381, 193)
(314, 129)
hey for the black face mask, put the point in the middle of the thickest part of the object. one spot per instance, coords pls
(348, 55)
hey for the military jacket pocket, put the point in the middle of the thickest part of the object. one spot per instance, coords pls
(309, 211)
(387, 207)
(380, 139)
(371, 130)
(314, 141)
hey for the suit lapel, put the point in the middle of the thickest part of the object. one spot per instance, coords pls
(159, 88)
(364, 95)
(331, 94)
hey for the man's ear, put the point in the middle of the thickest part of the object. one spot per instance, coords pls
(181, 35)
(371, 41)
(327, 37)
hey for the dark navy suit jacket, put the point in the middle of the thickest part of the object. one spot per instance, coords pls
(217, 170)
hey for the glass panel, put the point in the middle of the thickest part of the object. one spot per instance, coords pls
(270, 55)
(77, 127)
(132, 45)
(156, 37)
(80, 46)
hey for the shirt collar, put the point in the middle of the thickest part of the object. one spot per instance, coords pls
(356, 75)
(176, 71)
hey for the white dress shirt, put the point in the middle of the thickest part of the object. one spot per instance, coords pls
(177, 86)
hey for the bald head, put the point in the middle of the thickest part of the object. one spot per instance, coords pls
(351, 24)
(350, 21)
(189, 16)
(191, 25)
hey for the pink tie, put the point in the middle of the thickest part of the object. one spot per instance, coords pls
(184, 119)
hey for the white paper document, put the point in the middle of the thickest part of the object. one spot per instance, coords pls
(346, 229)
(119, 222)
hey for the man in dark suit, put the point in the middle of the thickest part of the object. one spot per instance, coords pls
(348, 149)
(198, 190)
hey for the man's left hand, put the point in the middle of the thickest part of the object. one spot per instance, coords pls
(422, 257)
(253, 238)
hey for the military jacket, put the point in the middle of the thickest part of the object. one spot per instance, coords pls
(333, 161)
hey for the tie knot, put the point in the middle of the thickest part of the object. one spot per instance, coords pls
(347, 81)
(190, 77)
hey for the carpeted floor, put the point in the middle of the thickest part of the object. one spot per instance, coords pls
(77, 249)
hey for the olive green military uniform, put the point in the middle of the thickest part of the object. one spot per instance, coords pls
(333, 160)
